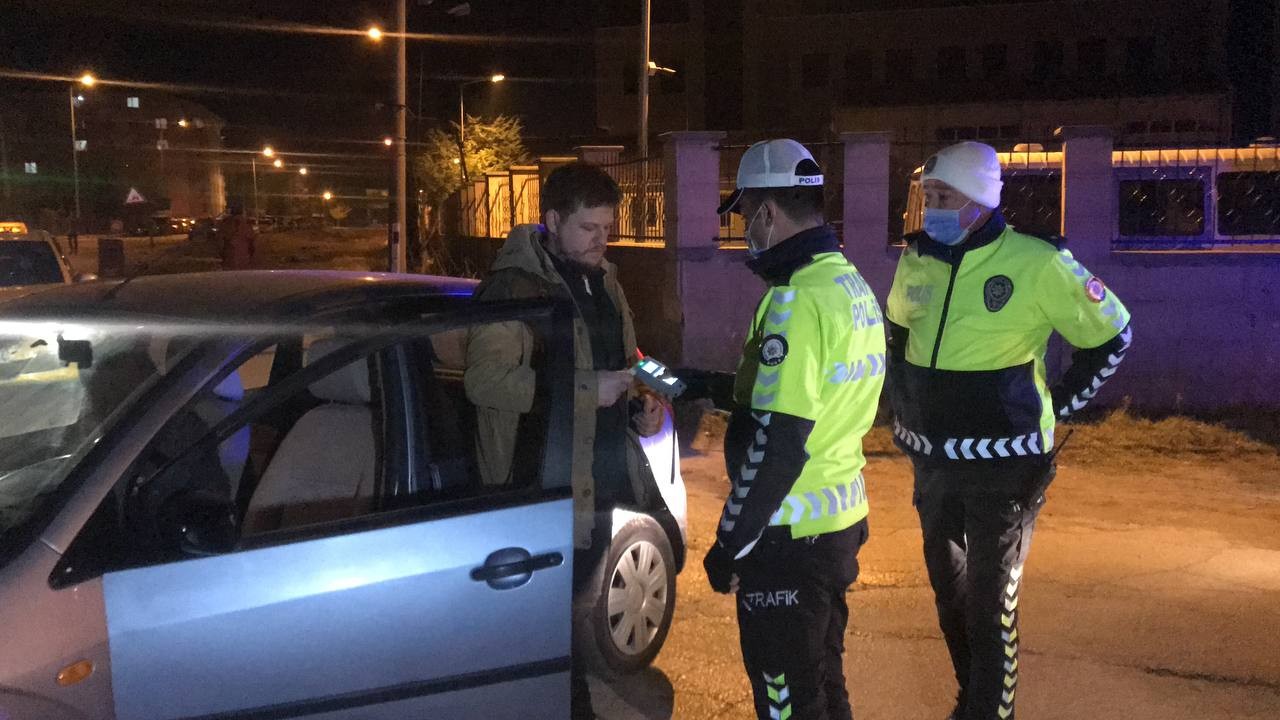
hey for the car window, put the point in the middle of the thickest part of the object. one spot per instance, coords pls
(25, 262)
(62, 387)
(230, 468)
(481, 394)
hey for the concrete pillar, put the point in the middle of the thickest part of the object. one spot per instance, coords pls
(1089, 221)
(691, 185)
(866, 207)
(598, 154)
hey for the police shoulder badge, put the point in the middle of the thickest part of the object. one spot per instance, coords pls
(996, 292)
(1095, 289)
(773, 350)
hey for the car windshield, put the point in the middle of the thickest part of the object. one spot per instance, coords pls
(55, 408)
(24, 262)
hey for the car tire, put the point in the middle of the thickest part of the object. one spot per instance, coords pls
(627, 609)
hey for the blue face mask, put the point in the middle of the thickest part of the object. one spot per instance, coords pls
(944, 226)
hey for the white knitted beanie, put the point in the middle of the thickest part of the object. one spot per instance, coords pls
(970, 167)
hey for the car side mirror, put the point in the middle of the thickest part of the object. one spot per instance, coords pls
(85, 277)
(79, 352)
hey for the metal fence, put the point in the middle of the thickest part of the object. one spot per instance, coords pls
(830, 157)
(643, 206)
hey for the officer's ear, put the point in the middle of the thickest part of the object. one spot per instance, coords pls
(553, 222)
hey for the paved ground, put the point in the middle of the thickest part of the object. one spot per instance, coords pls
(1152, 591)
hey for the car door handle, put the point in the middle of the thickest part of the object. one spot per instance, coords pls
(512, 567)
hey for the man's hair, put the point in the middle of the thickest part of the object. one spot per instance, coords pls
(578, 185)
(800, 203)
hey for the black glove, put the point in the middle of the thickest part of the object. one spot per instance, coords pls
(719, 566)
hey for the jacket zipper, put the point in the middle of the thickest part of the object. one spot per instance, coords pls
(946, 308)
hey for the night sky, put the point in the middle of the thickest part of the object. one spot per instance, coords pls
(328, 89)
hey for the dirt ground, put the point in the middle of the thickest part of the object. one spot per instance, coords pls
(1152, 591)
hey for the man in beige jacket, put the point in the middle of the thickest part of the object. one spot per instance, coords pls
(564, 258)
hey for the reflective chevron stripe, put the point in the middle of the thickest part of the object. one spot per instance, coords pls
(746, 475)
(973, 448)
(817, 504)
(1009, 637)
(1081, 399)
(779, 696)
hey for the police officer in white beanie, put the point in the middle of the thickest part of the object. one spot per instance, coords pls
(972, 307)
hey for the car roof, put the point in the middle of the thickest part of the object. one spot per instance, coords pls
(212, 296)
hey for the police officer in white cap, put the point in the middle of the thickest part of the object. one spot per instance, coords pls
(971, 310)
(805, 393)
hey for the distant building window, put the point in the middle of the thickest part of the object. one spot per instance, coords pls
(1136, 127)
(1161, 126)
(1162, 208)
(815, 70)
(81, 145)
(1091, 58)
(995, 60)
(1185, 126)
(857, 74)
(1139, 57)
(1046, 60)
(899, 66)
(951, 64)
(1249, 203)
(1008, 132)
(30, 168)
(162, 123)
(133, 102)
(988, 132)
(162, 144)
(198, 123)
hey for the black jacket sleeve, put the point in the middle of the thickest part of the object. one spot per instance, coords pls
(1089, 371)
(765, 454)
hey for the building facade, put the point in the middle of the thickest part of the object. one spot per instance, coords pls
(165, 149)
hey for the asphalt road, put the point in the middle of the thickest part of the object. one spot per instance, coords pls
(1150, 593)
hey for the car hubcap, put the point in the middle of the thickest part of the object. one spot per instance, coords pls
(637, 597)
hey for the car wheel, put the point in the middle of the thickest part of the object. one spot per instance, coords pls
(634, 601)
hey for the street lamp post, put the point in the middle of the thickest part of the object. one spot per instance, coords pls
(267, 151)
(398, 254)
(462, 118)
(86, 80)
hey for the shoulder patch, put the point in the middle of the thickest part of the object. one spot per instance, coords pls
(773, 350)
(996, 292)
(1095, 289)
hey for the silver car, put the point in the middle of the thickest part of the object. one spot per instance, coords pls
(255, 495)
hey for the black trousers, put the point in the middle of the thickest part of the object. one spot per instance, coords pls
(977, 523)
(791, 620)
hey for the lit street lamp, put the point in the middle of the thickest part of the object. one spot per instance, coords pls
(327, 196)
(302, 171)
(462, 118)
(88, 81)
(278, 163)
(375, 33)
(387, 141)
(267, 151)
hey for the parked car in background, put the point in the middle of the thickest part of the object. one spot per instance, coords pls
(35, 260)
(203, 229)
(255, 494)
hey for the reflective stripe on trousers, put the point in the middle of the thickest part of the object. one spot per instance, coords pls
(817, 504)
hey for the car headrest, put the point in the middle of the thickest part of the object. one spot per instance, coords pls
(349, 384)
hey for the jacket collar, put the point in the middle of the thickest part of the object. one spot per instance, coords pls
(983, 236)
(525, 250)
(776, 265)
